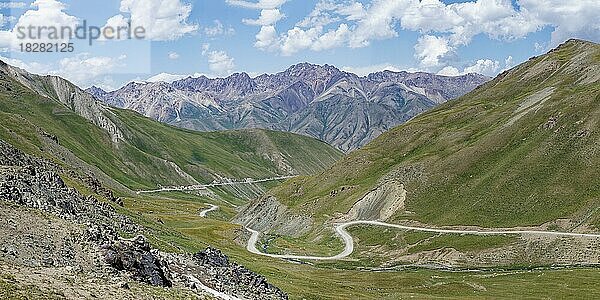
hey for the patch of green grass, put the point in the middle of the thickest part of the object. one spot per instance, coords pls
(327, 245)
(11, 290)
(413, 237)
(150, 292)
(464, 243)
(377, 245)
(367, 236)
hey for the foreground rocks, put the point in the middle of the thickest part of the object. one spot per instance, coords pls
(136, 257)
(47, 224)
(213, 270)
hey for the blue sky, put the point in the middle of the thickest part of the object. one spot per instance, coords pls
(218, 37)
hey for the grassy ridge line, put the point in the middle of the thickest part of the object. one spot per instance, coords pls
(467, 167)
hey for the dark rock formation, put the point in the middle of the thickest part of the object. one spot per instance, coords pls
(135, 256)
(213, 269)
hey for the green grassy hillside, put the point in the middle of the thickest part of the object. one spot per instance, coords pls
(523, 149)
(35, 118)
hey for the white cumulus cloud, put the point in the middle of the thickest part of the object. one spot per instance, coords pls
(83, 68)
(267, 17)
(173, 55)
(267, 38)
(449, 71)
(163, 20)
(270, 14)
(570, 19)
(44, 14)
(430, 50)
(330, 11)
(332, 38)
(116, 28)
(457, 23)
(481, 66)
(219, 62)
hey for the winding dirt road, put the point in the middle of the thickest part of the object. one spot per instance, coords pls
(349, 241)
(205, 211)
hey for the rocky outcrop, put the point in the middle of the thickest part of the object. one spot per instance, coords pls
(96, 186)
(269, 215)
(235, 278)
(212, 271)
(135, 256)
(379, 204)
(36, 184)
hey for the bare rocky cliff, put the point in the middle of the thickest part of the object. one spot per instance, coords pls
(61, 90)
(269, 215)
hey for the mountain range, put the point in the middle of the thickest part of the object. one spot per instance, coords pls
(340, 108)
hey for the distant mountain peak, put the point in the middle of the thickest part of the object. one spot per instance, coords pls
(305, 68)
(94, 89)
(239, 76)
(574, 41)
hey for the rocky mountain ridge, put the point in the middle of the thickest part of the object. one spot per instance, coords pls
(340, 108)
(62, 91)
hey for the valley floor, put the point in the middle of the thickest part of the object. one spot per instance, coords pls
(345, 279)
